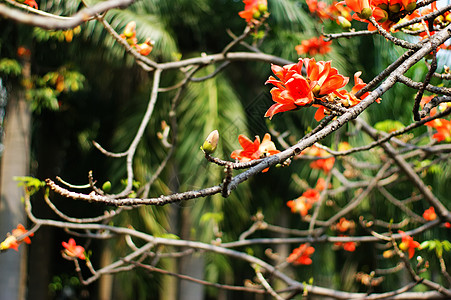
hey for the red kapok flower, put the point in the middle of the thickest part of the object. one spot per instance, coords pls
(443, 128)
(318, 8)
(323, 78)
(345, 98)
(303, 203)
(344, 225)
(129, 33)
(347, 246)
(325, 164)
(313, 46)
(425, 100)
(360, 7)
(337, 10)
(254, 150)
(408, 244)
(145, 48)
(253, 9)
(73, 250)
(23, 51)
(320, 184)
(292, 90)
(30, 3)
(20, 230)
(11, 241)
(429, 214)
(301, 255)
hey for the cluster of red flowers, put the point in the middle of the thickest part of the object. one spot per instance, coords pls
(442, 126)
(254, 150)
(313, 46)
(325, 164)
(345, 226)
(438, 22)
(129, 35)
(23, 52)
(322, 83)
(385, 12)
(301, 255)
(430, 215)
(336, 11)
(253, 9)
(72, 250)
(12, 241)
(304, 203)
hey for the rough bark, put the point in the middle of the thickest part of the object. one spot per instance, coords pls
(15, 162)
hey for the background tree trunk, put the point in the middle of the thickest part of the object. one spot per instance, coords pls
(15, 162)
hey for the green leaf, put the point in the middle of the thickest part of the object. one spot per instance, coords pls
(10, 67)
(389, 125)
(169, 236)
(216, 217)
(424, 244)
(446, 245)
(31, 184)
(439, 249)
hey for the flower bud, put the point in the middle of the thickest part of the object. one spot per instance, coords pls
(256, 15)
(145, 48)
(262, 7)
(9, 243)
(106, 186)
(388, 253)
(344, 23)
(316, 89)
(411, 6)
(211, 142)
(366, 13)
(129, 30)
(403, 246)
(383, 6)
(394, 8)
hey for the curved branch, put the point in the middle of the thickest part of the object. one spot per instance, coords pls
(77, 19)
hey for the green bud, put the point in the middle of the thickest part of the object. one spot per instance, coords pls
(383, 6)
(262, 8)
(366, 13)
(394, 8)
(106, 186)
(211, 142)
(411, 6)
(256, 15)
(344, 23)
